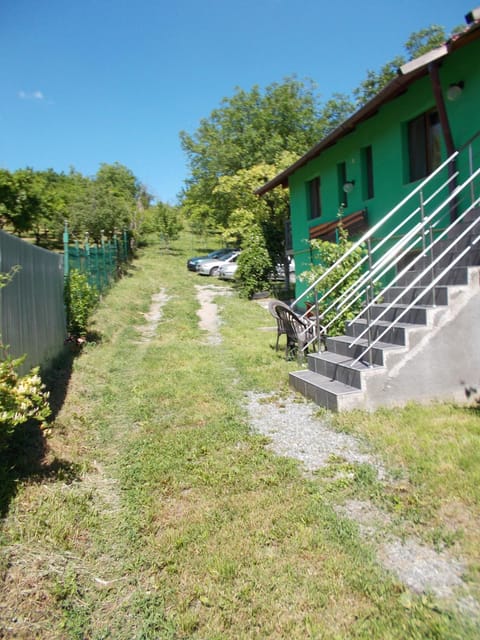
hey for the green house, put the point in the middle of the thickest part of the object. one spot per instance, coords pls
(405, 172)
(382, 152)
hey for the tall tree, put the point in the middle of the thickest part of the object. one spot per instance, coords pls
(418, 43)
(106, 202)
(19, 201)
(247, 129)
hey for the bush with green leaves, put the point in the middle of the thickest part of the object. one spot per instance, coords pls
(254, 264)
(21, 397)
(80, 300)
(328, 253)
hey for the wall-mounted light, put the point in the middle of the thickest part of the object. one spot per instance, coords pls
(455, 90)
(348, 186)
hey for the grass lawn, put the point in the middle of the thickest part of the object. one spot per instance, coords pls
(153, 512)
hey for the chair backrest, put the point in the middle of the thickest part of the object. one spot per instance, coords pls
(294, 326)
(273, 305)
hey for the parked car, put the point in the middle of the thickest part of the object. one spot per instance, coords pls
(211, 267)
(227, 271)
(279, 271)
(194, 263)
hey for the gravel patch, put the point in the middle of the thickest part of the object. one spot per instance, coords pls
(153, 316)
(209, 320)
(294, 431)
(421, 568)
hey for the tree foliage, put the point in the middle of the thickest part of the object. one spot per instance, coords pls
(165, 221)
(39, 202)
(81, 299)
(254, 264)
(250, 128)
(419, 43)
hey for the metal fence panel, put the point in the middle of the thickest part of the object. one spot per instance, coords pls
(32, 313)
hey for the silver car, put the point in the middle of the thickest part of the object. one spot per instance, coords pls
(227, 271)
(211, 267)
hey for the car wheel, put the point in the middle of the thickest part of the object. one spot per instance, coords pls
(214, 271)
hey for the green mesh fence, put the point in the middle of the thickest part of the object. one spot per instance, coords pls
(102, 262)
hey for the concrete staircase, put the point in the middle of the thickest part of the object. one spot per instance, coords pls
(432, 354)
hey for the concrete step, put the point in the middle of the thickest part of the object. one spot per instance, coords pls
(395, 335)
(436, 296)
(335, 366)
(327, 393)
(456, 276)
(342, 346)
(416, 315)
(471, 258)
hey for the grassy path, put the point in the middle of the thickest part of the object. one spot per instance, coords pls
(162, 516)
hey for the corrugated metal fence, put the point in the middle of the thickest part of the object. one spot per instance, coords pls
(32, 314)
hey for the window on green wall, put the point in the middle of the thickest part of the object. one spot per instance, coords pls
(424, 150)
(314, 198)
(342, 178)
(367, 172)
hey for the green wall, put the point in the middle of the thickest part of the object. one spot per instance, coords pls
(386, 133)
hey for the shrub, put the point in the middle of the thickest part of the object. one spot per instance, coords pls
(80, 300)
(329, 253)
(21, 397)
(254, 264)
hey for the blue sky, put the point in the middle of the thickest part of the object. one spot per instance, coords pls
(92, 81)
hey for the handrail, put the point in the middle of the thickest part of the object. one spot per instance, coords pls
(421, 275)
(414, 261)
(393, 255)
(428, 288)
(368, 234)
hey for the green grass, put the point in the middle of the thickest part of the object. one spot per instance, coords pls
(179, 523)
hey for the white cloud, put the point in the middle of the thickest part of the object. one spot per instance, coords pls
(32, 95)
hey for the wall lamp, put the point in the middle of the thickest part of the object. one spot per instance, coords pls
(348, 186)
(455, 90)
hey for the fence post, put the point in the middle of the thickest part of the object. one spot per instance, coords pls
(104, 263)
(66, 266)
(125, 245)
(87, 258)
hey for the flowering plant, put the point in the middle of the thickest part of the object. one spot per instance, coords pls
(21, 397)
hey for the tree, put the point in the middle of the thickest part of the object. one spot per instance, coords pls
(242, 208)
(19, 202)
(248, 129)
(166, 222)
(106, 202)
(418, 43)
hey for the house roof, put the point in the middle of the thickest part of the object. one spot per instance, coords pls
(407, 74)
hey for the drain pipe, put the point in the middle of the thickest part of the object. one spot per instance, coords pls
(446, 130)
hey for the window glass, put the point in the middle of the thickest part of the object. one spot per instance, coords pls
(315, 202)
(424, 145)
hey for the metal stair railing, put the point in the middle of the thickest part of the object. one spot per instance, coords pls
(364, 285)
(419, 278)
(432, 244)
